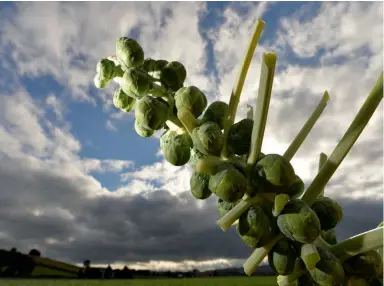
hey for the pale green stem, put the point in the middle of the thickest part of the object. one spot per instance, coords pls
(187, 119)
(209, 165)
(280, 201)
(262, 106)
(345, 144)
(238, 87)
(323, 158)
(230, 217)
(309, 255)
(258, 255)
(249, 111)
(369, 240)
(306, 129)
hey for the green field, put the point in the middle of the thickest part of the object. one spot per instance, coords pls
(220, 281)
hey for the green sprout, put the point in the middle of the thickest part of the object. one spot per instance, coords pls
(192, 99)
(123, 101)
(129, 53)
(282, 257)
(216, 112)
(176, 147)
(173, 75)
(142, 131)
(239, 137)
(328, 211)
(200, 186)
(208, 139)
(151, 112)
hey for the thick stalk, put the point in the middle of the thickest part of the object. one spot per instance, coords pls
(238, 87)
(187, 119)
(249, 111)
(357, 244)
(209, 165)
(306, 129)
(258, 255)
(262, 107)
(345, 144)
(323, 158)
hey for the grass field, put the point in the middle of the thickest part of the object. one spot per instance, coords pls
(220, 281)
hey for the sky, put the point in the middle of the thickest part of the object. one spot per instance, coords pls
(78, 183)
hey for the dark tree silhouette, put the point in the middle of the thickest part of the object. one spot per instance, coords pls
(87, 263)
(126, 273)
(108, 272)
(13, 250)
(34, 252)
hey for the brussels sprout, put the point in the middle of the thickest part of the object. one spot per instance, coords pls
(328, 211)
(224, 207)
(138, 83)
(100, 82)
(228, 184)
(208, 139)
(296, 189)
(154, 67)
(142, 131)
(329, 270)
(151, 112)
(299, 222)
(239, 137)
(282, 257)
(122, 101)
(192, 99)
(199, 186)
(368, 264)
(217, 112)
(273, 173)
(129, 53)
(329, 236)
(107, 69)
(256, 227)
(195, 156)
(173, 75)
(176, 147)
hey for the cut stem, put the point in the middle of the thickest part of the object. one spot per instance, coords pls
(357, 244)
(230, 217)
(209, 166)
(309, 255)
(306, 129)
(187, 119)
(262, 106)
(249, 111)
(357, 126)
(258, 255)
(323, 158)
(238, 87)
(279, 203)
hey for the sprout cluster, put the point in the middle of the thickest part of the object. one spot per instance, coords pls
(261, 194)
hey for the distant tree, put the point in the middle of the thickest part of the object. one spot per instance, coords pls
(13, 250)
(87, 263)
(34, 252)
(126, 273)
(195, 271)
(108, 272)
(215, 273)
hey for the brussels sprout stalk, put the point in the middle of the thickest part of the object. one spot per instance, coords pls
(261, 112)
(238, 87)
(357, 244)
(280, 201)
(346, 142)
(323, 158)
(209, 165)
(251, 264)
(249, 111)
(187, 119)
(306, 129)
(309, 255)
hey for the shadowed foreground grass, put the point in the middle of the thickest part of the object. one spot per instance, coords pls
(220, 281)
